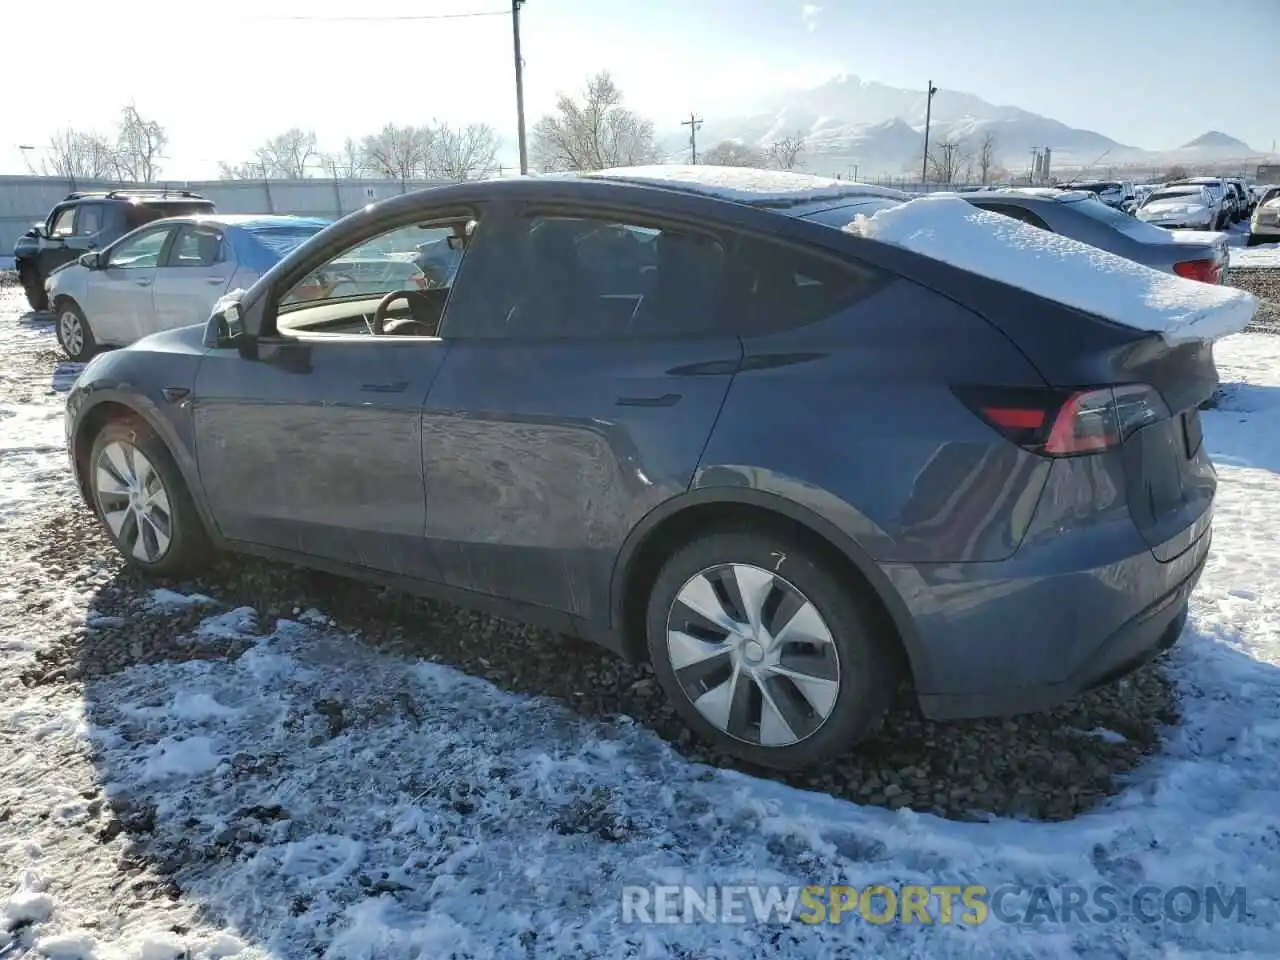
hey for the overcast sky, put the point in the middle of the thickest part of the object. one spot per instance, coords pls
(224, 76)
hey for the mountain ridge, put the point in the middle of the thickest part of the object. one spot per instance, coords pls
(850, 122)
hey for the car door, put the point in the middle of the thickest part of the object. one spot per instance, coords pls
(192, 276)
(119, 295)
(587, 365)
(314, 446)
(57, 245)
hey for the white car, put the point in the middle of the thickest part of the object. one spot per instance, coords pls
(1264, 225)
(1185, 207)
(166, 274)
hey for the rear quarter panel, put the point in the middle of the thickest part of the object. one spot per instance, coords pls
(853, 417)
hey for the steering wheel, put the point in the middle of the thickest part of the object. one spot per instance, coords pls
(412, 325)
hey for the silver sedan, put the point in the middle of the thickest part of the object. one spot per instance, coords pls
(166, 274)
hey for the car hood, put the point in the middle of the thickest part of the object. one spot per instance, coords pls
(189, 340)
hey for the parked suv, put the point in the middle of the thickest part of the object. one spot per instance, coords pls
(89, 221)
(668, 411)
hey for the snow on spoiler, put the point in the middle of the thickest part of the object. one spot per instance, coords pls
(1058, 268)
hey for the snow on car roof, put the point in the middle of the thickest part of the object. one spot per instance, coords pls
(1058, 268)
(747, 184)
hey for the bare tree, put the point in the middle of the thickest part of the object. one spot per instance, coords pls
(287, 155)
(730, 153)
(464, 154)
(79, 155)
(398, 153)
(348, 162)
(249, 170)
(1177, 172)
(139, 144)
(946, 159)
(592, 135)
(987, 155)
(785, 153)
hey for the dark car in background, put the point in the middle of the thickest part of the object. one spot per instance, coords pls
(787, 464)
(90, 220)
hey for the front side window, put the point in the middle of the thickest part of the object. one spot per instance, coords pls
(415, 257)
(140, 251)
(64, 223)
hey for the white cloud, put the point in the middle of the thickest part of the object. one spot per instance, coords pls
(809, 16)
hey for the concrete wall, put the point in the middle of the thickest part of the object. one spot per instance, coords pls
(25, 199)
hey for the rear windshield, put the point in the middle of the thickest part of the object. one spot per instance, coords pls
(1184, 193)
(280, 240)
(1096, 187)
(1118, 220)
(136, 214)
(843, 215)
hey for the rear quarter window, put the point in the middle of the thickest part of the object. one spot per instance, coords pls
(776, 286)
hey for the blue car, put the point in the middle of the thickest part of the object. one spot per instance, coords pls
(789, 465)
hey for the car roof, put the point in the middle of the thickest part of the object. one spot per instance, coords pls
(248, 221)
(771, 189)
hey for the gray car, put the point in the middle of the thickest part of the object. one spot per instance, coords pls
(166, 274)
(788, 465)
(1194, 254)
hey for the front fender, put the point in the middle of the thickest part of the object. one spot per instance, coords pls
(102, 392)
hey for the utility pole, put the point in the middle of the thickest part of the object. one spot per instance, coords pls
(515, 34)
(693, 123)
(928, 115)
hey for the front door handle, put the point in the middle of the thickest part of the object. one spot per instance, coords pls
(143, 283)
(666, 400)
(213, 280)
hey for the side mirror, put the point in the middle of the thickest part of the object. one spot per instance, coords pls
(225, 330)
(90, 261)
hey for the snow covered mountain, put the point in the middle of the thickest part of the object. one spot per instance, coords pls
(880, 128)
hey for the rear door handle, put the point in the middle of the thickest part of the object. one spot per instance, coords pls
(213, 280)
(143, 283)
(666, 400)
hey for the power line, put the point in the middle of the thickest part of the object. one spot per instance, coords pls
(407, 16)
(693, 123)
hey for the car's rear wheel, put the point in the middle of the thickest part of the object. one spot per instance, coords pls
(33, 287)
(143, 501)
(74, 333)
(764, 652)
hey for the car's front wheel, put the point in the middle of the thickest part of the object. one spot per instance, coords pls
(75, 336)
(765, 652)
(33, 287)
(143, 501)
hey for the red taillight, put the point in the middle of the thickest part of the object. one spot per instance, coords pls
(1059, 423)
(1206, 271)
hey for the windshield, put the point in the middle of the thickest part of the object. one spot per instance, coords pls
(280, 240)
(1118, 220)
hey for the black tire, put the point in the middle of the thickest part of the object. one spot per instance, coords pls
(33, 287)
(188, 547)
(867, 664)
(68, 319)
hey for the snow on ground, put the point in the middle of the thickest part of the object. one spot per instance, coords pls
(1264, 255)
(421, 812)
(948, 228)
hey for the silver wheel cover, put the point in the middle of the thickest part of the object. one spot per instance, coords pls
(72, 331)
(133, 501)
(753, 655)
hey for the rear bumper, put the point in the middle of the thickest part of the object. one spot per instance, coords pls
(992, 645)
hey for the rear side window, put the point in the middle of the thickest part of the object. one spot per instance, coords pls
(778, 286)
(89, 220)
(564, 277)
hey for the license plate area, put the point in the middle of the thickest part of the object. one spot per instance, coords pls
(1192, 432)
